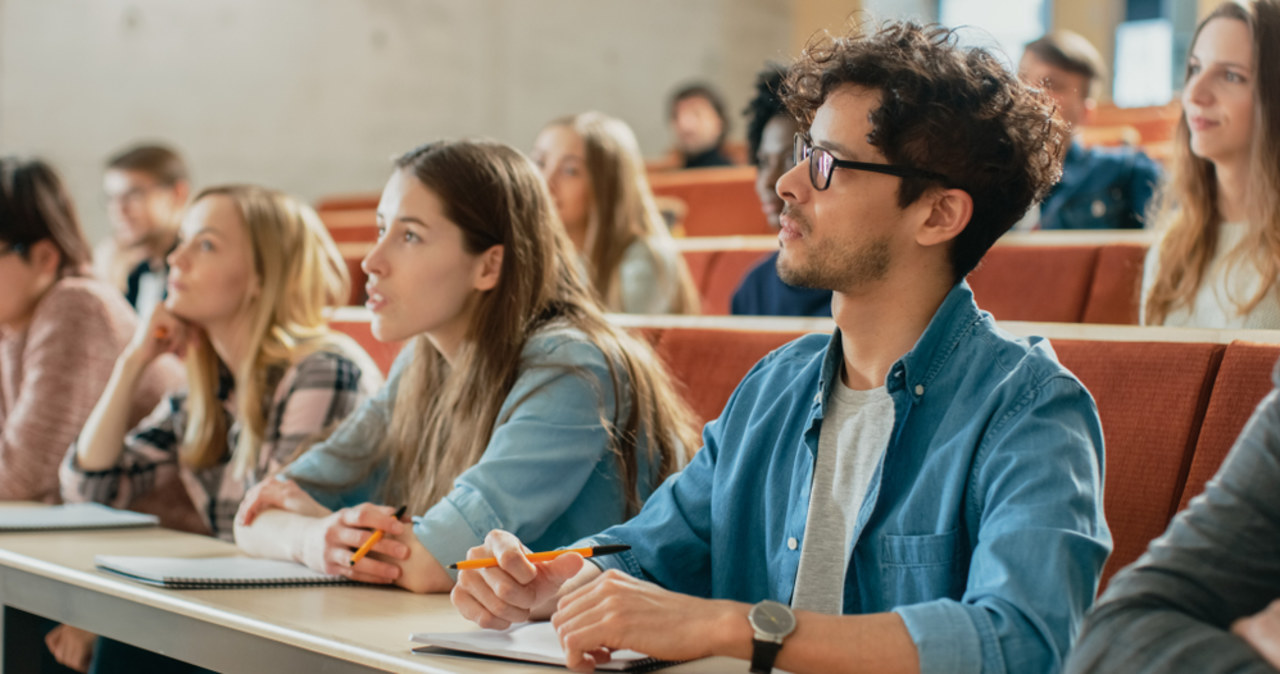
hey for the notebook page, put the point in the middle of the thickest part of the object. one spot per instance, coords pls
(70, 516)
(213, 571)
(530, 642)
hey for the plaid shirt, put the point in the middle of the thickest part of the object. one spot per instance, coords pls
(314, 394)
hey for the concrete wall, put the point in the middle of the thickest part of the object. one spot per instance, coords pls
(314, 96)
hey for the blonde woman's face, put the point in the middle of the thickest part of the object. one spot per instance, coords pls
(561, 155)
(212, 278)
(422, 280)
(1218, 96)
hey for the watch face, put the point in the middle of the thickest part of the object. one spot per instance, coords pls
(772, 618)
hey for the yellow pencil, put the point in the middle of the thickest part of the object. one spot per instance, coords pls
(373, 540)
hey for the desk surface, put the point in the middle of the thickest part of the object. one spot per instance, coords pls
(365, 625)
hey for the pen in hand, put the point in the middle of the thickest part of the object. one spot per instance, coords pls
(373, 540)
(543, 556)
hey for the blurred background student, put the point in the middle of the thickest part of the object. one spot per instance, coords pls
(698, 119)
(771, 131)
(1217, 263)
(515, 401)
(146, 187)
(592, 165)
(1101, 187)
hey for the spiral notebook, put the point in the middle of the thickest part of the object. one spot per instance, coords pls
(181, 573)
(528, 642)
(71, 516)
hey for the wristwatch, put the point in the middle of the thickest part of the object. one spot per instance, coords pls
(771, 622)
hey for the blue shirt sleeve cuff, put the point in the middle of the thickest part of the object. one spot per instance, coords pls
(945, 636)
(456, 524)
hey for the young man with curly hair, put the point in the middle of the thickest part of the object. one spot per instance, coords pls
(919, 491)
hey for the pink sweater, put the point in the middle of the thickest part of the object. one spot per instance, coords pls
(52, 374)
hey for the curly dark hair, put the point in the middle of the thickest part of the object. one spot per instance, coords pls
(948, 109)
(766, 105)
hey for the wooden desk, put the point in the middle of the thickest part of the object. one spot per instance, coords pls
(311, 629)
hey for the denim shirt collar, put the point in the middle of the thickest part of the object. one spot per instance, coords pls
(916, 369)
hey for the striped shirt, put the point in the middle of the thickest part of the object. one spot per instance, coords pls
(312, 396)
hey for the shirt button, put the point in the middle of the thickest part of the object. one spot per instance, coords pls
(792, 543)
(919, 389)
(817, 397)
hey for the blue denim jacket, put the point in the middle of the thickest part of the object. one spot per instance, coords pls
(547, 473)
(1101, 188)
(982, 527)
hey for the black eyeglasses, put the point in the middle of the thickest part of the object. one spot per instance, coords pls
(822, 164)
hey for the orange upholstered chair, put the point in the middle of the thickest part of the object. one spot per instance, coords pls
(708, 364)
(1035, 283)
(1117, 280)
(1243, 380)
(1151, 397)
(720, 201)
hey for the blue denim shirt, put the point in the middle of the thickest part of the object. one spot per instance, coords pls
(1101, 188)
(982, 527)
(547, 474)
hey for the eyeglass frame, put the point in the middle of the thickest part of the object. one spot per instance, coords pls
(800, 142)
(19, 248)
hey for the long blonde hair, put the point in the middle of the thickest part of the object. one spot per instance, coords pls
(301, 273)
(1188, 204)
(444, 415)
(623, 211)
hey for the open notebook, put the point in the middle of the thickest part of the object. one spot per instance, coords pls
(70, 516)
(528, 642)
(182, 573)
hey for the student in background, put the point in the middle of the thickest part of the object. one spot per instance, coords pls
(770, 131)
(251, 277)
(515, 403)
(923, 490)
(1217, 262)
(146, 186)
(697, 116)
(60, 333)
(1101, 188)
(592, 165)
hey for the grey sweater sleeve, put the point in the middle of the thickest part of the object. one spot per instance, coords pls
(1219, 561)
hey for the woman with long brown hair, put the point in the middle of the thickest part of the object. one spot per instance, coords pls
(1217, 263)
(514, 403)
(593, 167)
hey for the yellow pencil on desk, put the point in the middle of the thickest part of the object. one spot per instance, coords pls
(489, 562)
(373, 540)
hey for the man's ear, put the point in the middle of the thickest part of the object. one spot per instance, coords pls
(950, 214)
(490, 269)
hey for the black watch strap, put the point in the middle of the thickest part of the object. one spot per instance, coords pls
(763, 653)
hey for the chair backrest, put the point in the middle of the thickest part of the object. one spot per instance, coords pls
(1243, 379)
(1035, 283)
(719, 201)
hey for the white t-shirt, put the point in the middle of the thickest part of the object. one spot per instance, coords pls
(854, 435)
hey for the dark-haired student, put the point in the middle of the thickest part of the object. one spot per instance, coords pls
(146, 187)
(697, 116)
(514, 403)
(770, 129)
(60, 333)
(1101, 188)
(919, 491)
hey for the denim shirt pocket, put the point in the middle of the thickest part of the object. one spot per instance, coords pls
(917, 568)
